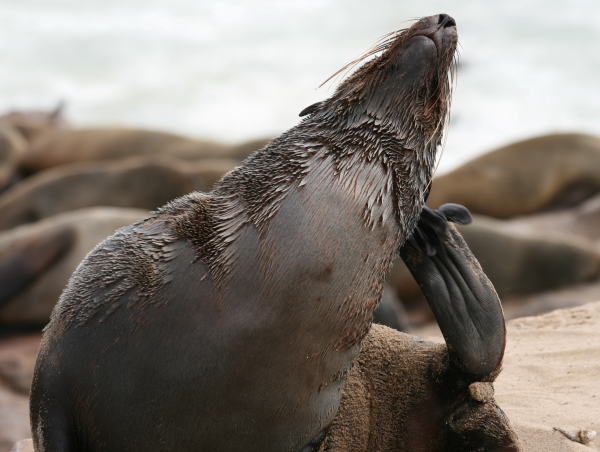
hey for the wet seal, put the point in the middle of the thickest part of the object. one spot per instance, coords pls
(229, 321)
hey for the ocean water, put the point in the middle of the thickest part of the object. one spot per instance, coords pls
(242, 69)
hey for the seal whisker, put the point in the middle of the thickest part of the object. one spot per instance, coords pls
(381, 44)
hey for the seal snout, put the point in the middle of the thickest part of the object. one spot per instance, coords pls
(445, 21)
(441, 29)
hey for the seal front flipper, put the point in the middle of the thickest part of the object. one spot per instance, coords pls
(459, 293)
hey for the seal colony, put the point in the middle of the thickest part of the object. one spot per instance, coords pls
(229, 321)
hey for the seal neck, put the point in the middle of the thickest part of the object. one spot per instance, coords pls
(382, 175)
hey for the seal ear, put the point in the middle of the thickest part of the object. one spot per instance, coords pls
(461, 296)
(311, 109)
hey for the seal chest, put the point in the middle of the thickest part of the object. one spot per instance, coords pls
(229, 321)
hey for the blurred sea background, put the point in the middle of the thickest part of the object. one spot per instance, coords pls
(237, 70)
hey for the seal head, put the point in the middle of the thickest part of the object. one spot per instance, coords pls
(407, 89)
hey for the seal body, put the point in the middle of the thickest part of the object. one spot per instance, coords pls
(229, 321)
(37, 260)
(260, 337)
(545, 173)
(85, 145)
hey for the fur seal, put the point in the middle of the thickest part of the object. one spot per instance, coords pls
(520, 262)
(21, 261)
(12, 149)
(542, 173)
(32, 124)
(143, 183)
(106, 143)
(582, 220)
(36, 260)
(406, 394)
(138, 182)
(229, 321)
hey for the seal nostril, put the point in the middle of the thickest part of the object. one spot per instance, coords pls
(450, 23)
(446, 21)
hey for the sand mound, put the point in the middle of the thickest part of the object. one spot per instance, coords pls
(551, 378)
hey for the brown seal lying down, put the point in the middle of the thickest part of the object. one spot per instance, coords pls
(404, 395)
(36, 260)
(105, 143)
(12, 149)
(32, 124)
(229, 321)
(138, 182)
(530, 176)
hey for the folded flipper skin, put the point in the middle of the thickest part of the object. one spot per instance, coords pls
(459, 293)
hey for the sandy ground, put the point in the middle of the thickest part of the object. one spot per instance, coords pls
(551, 377)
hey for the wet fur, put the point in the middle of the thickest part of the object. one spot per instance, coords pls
(405, 394)
(267, 285)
